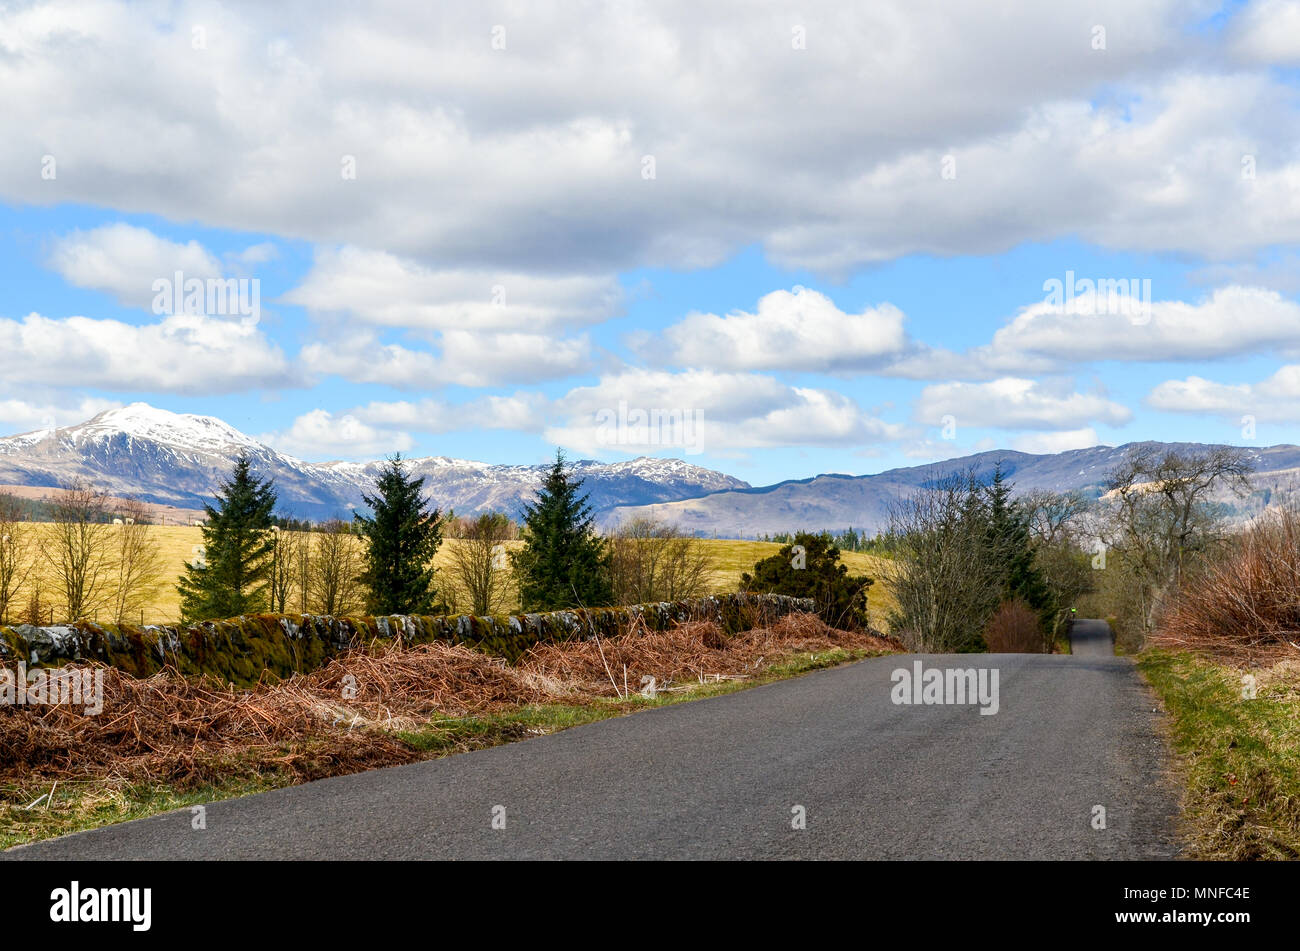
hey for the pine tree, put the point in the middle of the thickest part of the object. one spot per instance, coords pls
(231, 577)
(402, 535)
(1011, 547)
(564, 562)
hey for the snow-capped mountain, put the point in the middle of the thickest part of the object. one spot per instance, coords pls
(178, 459)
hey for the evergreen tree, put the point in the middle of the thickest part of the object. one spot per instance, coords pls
(230, 579)
(1010, 544)
(811, 568)
(564, 563)
(402, 535)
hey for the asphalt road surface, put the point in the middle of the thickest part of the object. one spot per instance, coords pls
(728, 777)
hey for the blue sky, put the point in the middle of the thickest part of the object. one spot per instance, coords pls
(805, 242)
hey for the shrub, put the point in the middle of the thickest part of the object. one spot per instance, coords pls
(1245, 602)
(1014, 629)
(811, 568)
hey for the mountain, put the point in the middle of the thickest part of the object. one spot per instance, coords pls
(863, 502)
(177, 459)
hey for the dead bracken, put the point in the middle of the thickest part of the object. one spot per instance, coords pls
(350, 715)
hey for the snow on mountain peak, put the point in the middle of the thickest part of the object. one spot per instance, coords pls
(183, 430)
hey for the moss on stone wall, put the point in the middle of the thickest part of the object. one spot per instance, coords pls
(244, 649)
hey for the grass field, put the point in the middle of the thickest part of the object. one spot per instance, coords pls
(1239, 759)
(731, 558)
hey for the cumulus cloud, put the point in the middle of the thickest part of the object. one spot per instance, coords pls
(1232, 320)
(1062, 441)
(1016, 403)
(466, 358)
(522, 412)
(363, 359)
(790, 330)
(125, 261)
(1267, 31)
(320, 434)
(179, 354)
(531, 157)
(385, 290)
(639, 410)
(25, 414)
(1276, 398)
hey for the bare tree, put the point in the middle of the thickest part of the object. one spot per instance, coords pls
(302, 568)
(945, 584)
(652, 560)
(284, 568)
(16, 557)
(1054, 516)
(334, 570)
(137, 571)
(478, 562)
(1163, 514)
(79, 550)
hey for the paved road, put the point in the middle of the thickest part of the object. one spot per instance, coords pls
(719, 778)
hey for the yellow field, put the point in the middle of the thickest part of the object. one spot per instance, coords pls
(732, 558)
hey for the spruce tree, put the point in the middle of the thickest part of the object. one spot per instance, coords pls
(402, 535)
(231, 577)
(1011, 548)
(564, 563)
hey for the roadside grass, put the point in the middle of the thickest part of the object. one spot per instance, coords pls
(1240, 757)
(31, 812)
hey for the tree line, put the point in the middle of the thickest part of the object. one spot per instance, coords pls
(975, 569)
(94, 557)
(382, 561)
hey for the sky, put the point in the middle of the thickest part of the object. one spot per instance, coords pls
(774, 240)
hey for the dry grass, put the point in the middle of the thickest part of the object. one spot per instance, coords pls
(731, 558)
(351, 714)
(690, 653)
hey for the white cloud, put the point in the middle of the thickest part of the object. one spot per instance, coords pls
(530, 158)
(124, 261)
(639, 410)
(388, 291)
(1268, 31)
(363, 359)
(476, 359)
(179, 354)
(22, 415)
(1016, 403)
(321, 435)
(1276, 398)
(1232, 320)
(467, 358)
(791, 330)
(1047, 443)
(522, 412)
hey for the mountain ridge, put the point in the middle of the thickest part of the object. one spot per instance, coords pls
(178, 459)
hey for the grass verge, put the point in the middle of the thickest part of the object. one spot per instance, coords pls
(1240, 756)
(73, 806)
